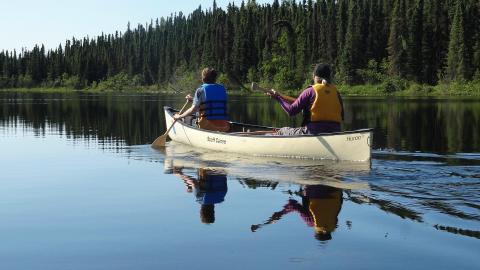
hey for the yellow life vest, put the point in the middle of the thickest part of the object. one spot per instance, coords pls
(325, 211)
(326, 106)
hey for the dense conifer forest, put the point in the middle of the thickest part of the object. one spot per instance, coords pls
(365, 41)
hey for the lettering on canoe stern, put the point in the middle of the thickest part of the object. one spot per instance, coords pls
(216, 140)
(354, 138)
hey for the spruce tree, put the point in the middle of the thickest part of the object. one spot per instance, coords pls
(397, 41)
(342, 22)
(415, 31)
(428, 49)
(350, 56)
(330, 32)
(456, 60)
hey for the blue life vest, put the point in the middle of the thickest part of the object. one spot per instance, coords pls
(214, 190)
(215, 105)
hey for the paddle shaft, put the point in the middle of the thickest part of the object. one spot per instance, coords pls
(160, 141)
(174, 121)
(256, 87)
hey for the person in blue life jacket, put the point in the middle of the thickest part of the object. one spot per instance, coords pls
(210, 103)
(210, 188)
(319, 209)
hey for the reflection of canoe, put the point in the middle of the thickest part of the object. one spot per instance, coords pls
(342, 175)
(350, 145)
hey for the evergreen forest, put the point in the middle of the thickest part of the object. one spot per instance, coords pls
(426, 42)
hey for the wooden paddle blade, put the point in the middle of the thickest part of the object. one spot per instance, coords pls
(160, 141)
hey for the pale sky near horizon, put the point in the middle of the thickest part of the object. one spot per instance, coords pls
(24, 23)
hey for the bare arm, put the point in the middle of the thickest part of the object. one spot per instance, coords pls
(188, 112)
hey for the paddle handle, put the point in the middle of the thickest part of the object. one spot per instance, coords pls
(183, 108)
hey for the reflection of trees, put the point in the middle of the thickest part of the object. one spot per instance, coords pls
(403, 124)
(418, 125)
(401, 202)
(133, 119)
(386, 205)
(475, 234)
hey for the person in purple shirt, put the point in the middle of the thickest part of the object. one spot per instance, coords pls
(321, 104)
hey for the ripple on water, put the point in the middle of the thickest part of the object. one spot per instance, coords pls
(436, 189)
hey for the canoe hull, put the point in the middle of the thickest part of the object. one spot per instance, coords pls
(349, 146)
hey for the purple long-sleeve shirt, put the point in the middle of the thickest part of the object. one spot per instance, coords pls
(304, 102)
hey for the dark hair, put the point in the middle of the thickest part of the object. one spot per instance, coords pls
(209, 75)
(323, 71)
(207, 213)
(323, 236)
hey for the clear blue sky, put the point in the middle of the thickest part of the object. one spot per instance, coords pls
(24, 23)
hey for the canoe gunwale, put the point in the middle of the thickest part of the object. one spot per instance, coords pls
(170, 111)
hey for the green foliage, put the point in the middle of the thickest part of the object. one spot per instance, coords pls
(25, 81)
(184, 80)
(6, 82)
(121, 81)
(284, 79)
(423, 41)
(223, 79)
(73, 82)
(374, 73)
(278, 74)
(415, 89)
(476, 77)
(471, 88)
(394, 84)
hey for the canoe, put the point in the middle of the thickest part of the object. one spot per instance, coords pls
(342, 146)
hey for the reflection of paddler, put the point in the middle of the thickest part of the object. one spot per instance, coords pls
(319, 209)
(324, 205)
(210, 188)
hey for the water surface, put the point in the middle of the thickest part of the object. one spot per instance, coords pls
(82, 189)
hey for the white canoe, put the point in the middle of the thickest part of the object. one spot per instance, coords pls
(346, 146)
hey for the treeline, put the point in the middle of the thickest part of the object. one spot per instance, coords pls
(366, 41)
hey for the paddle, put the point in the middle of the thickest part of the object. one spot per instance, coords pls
(256, 88)
(160, 141)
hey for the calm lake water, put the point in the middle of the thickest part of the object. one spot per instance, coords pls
(82, 189)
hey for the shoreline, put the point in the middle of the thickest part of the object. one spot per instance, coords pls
(469, 89)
